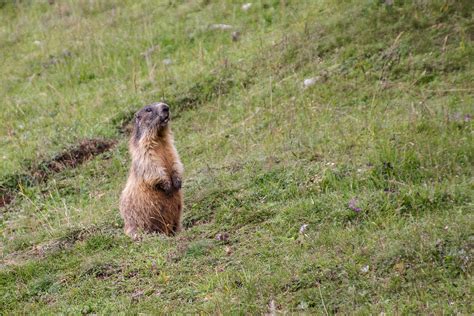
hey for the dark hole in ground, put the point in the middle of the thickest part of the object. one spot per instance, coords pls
(70, 158)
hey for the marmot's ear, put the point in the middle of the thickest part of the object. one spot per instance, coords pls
(137, 117)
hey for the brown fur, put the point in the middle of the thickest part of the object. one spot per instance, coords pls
(152, 200)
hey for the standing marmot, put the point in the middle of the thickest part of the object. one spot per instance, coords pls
(152, 200)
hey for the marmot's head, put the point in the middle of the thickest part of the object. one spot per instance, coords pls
(151, 121)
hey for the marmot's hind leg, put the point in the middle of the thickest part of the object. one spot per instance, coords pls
(177, 227)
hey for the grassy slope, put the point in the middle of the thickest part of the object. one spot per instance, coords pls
(388, 125)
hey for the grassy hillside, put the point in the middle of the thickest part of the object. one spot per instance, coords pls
(352, 194)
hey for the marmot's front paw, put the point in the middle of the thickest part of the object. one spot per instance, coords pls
(177, 182)
(164, 186)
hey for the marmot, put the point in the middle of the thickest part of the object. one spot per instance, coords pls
(152, 200)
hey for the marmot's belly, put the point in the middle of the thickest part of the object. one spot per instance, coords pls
(152, 210)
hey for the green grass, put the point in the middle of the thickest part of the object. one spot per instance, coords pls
(386, 129)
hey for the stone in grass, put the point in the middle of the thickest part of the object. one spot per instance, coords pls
(235, 36)
(309, 82)
(303, 305)
(222, 237)
(303, 228)
(246, 6)
(167, 61)
(353, 205)
(222, 27)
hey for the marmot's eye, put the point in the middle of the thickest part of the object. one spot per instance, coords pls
(148, 110)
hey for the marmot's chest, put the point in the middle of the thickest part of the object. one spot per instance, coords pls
(163, 158)
(164, 162)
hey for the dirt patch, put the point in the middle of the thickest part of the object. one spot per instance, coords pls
(6, 197)
(36, 174)
(73, 157)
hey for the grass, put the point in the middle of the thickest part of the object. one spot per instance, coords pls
(376, 157)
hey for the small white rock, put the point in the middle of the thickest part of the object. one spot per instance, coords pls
(37, 43)
(220, 27)
(235, 36)
(303, 228)
(309, 82)
(167, 61)
(272, 308)
(246, 6)
(303, 305)
(364, 269)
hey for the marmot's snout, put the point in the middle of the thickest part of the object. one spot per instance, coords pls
(156, 114)
(164, 113)
(161, 112)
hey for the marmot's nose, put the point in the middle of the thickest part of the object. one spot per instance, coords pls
(165, 108)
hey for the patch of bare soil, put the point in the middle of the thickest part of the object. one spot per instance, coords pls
(6, 197)
(73, 157)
